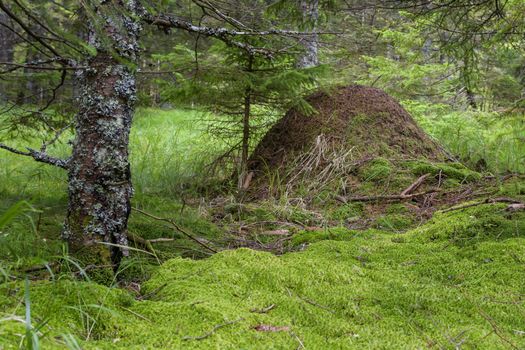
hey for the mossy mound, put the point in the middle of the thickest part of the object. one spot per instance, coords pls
(349, 290)
(351, 124)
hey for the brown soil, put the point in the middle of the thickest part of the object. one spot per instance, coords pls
(359, 117)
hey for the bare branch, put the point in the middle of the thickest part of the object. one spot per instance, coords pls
(27, 29)
(41, 157)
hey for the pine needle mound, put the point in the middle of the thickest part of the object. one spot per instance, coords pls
(351, 124)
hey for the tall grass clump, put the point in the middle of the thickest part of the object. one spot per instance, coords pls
(170, 151)
(486, 141)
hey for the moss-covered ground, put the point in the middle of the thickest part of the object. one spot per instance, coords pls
(355, 275)
(457, 281)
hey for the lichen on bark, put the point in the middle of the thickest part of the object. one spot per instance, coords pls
(99, 185)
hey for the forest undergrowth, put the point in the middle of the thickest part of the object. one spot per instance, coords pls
(348, 274)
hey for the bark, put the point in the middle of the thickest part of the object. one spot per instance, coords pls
(310, 10)
(99, 182)
(246, 130)
(245, 138)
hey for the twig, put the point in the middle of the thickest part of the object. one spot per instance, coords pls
(387, 197)
(161, 240)
(136, 314)
(38, 156)
(143, 242)
(415, 185)
(153, 292)
(177, 227)
(486, 201)
(263, 310)
(301, 345)
(217, 327)
(496, 329)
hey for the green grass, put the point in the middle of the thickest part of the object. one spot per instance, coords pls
(491, 141)
(169, 154)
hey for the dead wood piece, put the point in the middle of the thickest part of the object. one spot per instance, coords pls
(214, 329)
(247, 180)
(516, 207)
(270, 328)
(415, 185)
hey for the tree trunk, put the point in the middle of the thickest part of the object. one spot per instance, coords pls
(245, 146)
(245, 138)
(99, 171)
(310, 10)
(7, 49)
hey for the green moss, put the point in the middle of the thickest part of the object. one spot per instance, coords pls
(513, 187)
(349, 290)
(376, 170)
(393, 222)
(450, 170)
(331, 233)
(397, 208)
(347, 212)
(473, 224)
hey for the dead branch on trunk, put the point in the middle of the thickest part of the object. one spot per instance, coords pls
(41, 157)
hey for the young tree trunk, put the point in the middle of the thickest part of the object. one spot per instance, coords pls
(245, 146)
(7, 49)
(99, 172)
(310, 10)
(245, 139)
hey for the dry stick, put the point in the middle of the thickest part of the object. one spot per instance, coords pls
(177, 227)
(217, 327)
(385, 197)
(496, 329)
(486, 201)
(415, 185)
(263, 310)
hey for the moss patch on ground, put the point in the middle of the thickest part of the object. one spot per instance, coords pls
(369, 289)
(455, 171)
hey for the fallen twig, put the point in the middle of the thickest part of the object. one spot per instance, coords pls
(393, 197)
(415, 185)
(177, 227)
(496, 329)
(214, 329)
(263, 310)
(513, 203)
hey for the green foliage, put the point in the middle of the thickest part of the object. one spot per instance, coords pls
(488, 140)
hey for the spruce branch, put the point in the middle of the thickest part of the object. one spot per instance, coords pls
(39, 156)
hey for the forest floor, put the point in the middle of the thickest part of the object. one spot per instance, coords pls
(374, 274)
